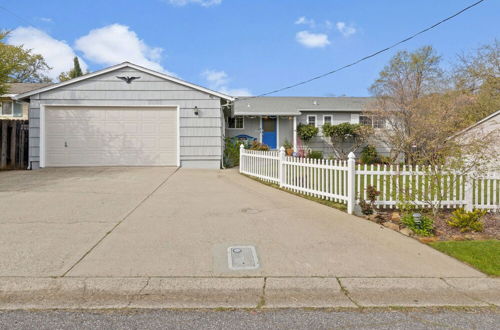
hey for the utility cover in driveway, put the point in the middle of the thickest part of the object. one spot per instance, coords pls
(242, 257)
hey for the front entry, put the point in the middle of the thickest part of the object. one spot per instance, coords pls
(269, 132)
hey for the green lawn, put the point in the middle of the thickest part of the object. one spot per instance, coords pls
(483, 255)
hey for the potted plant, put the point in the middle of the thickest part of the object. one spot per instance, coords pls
(288, 148)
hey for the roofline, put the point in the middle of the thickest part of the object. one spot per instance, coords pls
(120, 66)
(476, 124)
(9, 95)
(267, 114)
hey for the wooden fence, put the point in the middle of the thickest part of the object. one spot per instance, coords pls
(346, 182)
(13, 144)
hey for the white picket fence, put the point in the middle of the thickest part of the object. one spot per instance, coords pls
(345, 182)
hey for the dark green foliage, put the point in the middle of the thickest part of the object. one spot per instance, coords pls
(231, 153)
(467, 221)
(369, 155)
(315, 155)
(426, 227)
(307, 132)
(73, 73)
(342, 132)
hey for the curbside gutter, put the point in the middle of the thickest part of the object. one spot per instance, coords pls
(250, 292)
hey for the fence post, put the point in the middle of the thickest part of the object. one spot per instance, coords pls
(351, 179)
(281, 162)
(469, 206)
(242, 150)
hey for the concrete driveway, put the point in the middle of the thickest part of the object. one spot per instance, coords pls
(129, 222)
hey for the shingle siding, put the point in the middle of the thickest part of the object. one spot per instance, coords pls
(200, 136)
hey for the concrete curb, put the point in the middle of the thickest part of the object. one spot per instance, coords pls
(256, 292)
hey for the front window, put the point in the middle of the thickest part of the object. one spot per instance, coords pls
(235, 122)
(372, 121)
(311, 120)
(6, 108)
(327, 119)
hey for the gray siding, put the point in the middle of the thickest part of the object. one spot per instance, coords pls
(200, 136)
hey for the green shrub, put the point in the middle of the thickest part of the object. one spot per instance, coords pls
(425, 228)
(315, 154)
(287, 144)
(307, 132)
(467, 220)
(231, 152)
(369, 155)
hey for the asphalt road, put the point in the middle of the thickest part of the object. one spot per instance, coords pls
(238, 319)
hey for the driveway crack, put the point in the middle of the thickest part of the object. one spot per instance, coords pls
(119, 223)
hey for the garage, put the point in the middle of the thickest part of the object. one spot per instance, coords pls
(109, 136)
(126, 115)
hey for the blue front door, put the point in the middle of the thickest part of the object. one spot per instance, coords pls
(269, 132)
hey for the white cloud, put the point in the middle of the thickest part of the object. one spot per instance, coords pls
(312, 40)
(218, 80)
(57, 53)
(204, 3)
(345, 29)
(116, 43)
(305, 21)
(46, 19)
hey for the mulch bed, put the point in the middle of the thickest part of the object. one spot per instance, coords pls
(445, 232)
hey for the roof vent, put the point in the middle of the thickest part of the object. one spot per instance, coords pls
(248, 105)
(315, 102)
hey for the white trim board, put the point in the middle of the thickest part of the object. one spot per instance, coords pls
(121, 66)
(43, 126)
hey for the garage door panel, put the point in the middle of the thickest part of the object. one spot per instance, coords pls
(111, 136)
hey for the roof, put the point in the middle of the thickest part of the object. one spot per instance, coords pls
(120, 66)
(19, 88)
(295, 105)
(485, 119)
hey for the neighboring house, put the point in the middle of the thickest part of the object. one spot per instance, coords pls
(488, 130)
(108, 118)
(274, 120)
(12, 109)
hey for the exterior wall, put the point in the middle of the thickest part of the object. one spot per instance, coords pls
(200, 136)
(319, 143)
(251, 127)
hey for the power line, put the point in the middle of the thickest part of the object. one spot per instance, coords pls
(24, 20)
(363, 58)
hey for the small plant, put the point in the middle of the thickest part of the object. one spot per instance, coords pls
(259, 146)
(287, 144)
(467, 220)
(424, 227)
(232, 152)
(307, 132)
(369, 155)
(368, 207)
(315, 155)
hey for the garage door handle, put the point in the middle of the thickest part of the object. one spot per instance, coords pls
(65, 144)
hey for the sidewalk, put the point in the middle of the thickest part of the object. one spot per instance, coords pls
(251, 292)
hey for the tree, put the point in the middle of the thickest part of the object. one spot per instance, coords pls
(477, 74)
(346, 137)
(408, 77)
(76, 71)
(18, 64)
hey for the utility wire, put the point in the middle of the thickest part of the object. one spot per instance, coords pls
(364, 58)
(24, 20)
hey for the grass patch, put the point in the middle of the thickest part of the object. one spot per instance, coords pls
(483, 255)
(335, 205)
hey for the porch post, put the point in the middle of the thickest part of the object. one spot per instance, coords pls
(260, 129)
(295, 133)
(278, 145)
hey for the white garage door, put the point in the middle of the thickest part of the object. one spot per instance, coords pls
(109, 136)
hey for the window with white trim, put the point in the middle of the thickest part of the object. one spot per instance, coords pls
(372, 121)
(6, 109)
(235, 122)
(327, 119)
(311, 120)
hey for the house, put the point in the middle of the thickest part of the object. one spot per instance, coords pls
(488, 131)
(12, 109)
(125, 115)
(274, 120)
(128, 115)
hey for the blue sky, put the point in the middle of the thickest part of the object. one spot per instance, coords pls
(246, 46)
